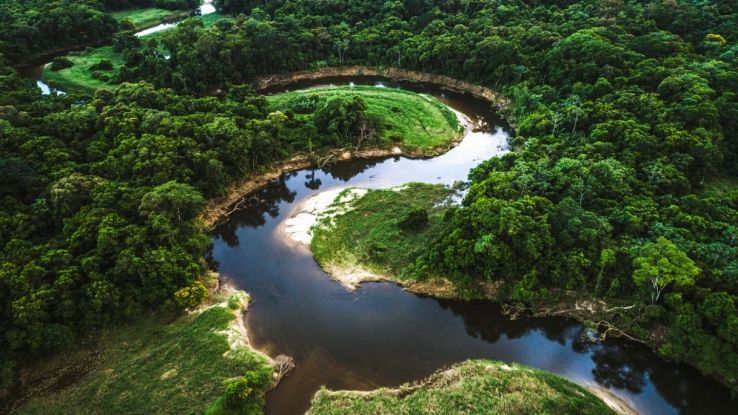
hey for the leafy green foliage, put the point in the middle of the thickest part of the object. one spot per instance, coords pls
(625, 115)
(661, 263)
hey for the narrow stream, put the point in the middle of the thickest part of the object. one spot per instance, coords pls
(381, 335)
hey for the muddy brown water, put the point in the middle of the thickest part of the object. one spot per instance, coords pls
(381, 335)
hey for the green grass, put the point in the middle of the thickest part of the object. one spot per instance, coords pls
(156, 367)
(80, 78)
(147, 17)
(412, 120)
(370, 235)
(473, 387)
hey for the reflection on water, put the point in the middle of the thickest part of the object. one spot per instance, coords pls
(381, 335)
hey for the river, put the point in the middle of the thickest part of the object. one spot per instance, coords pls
(381, 335)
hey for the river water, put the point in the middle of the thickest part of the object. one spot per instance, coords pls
(381, 335)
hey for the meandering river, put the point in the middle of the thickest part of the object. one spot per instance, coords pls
(381, 335)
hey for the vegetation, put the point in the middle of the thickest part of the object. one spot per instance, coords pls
(35, 27)
(81, 74)
(394, 116)
(142, 18)
(100, 197)
(156, 365)
(626, 115)
(476, 387)
(384, 231)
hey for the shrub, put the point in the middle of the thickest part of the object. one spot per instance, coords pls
(60, 63)
(414, 220)
(103, 65)
(192, 296)
(246, 391)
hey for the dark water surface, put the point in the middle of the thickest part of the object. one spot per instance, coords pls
(381, 335)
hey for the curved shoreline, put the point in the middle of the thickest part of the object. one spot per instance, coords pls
(220, 208)
(391, 73)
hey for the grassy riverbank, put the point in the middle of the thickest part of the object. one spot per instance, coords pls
(473, 387)
(83, 77)
(156, 365)
(143, 18)
(413, 120)
(371, 233)
(80, 77)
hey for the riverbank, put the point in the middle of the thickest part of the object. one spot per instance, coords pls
(218, 209)
(475, 386)
(414, 121)
(358, 236)
(161, 364)
(391, 73)
(85, 77)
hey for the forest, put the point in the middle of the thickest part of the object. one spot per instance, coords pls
(622, 183)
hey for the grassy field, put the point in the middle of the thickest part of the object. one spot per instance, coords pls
(371, 233)
(143, 18)
(413, 120)
(159, 367)
(81, 78)
(473, 387)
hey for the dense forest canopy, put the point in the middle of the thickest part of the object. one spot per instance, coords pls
(35, 27)
(622, 186)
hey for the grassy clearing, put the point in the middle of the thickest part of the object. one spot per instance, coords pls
(81, 78)
(143, 18)
(413, 120)
(158, 367)
(473, 387)
(371, 233)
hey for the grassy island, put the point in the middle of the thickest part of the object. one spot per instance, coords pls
(472, 387)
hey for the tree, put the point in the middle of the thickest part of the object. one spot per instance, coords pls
(176, 201)
(661, 263)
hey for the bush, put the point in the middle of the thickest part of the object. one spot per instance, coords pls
(103, 65)
(192, 296)
(246, 392)
(60, 63)
(414, 220)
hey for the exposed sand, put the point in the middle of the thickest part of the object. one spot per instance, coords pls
(618, 404)
(298, 227)
(236, 333)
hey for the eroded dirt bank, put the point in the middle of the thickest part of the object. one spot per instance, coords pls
(394, 74)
